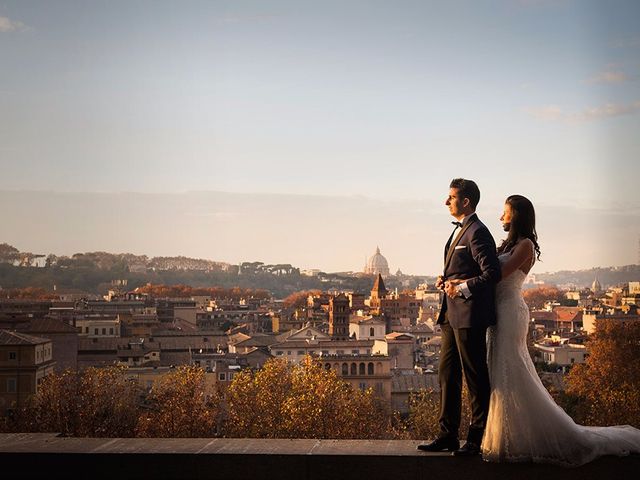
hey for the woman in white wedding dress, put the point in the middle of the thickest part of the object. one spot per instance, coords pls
(525, 424)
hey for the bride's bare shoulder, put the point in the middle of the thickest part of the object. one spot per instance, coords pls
(526, 250)
(524, 243)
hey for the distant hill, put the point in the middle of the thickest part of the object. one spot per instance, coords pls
(95, 272)
(607, 276)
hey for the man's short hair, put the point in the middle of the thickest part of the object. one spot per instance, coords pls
(468, 189)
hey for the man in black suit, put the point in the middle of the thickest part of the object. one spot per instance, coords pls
(471, 271)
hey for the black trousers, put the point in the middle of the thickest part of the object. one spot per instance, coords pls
(463, 350)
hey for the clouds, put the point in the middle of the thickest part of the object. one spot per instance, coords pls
(558, 114)
(7, 25)
(609, 76)
(629, 41)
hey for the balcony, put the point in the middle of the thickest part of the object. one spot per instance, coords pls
(28, 455)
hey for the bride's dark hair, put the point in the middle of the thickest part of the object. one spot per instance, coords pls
(523, 224)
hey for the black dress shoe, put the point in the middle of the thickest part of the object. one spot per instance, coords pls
(469, 449)
(444, 444)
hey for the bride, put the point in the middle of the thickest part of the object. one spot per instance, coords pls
(525, 424)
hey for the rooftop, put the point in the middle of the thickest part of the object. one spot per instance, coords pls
(15, 338)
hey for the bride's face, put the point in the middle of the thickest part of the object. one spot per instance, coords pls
(506, 217)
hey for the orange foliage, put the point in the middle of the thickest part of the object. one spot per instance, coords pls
(28, 293)
(177, 291)
(99, 402)
(181, 405)
(283, 400)
(299, 299)
(424, 412)
(607, 385)
(536, 297)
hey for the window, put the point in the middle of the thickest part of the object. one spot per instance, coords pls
(222, 377)
(300, 352)
(345, 369)
(363, 386)
(354, 369)
(95, 331)
(340, 352)
(13, 355)
(279, 352)
(11, 385)
(289, 352)
(111, 331)
(104, 331)
(355, 352)
(372, 332)
(370, 369)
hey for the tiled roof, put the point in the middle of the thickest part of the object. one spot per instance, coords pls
(399, 335)
(258, 340)
(378, 285)
(165, 343)
(414, 383)
(15, 338)
(50, 325)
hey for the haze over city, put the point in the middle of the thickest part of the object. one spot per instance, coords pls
(310, 133)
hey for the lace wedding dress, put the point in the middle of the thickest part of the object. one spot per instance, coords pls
(525, 424)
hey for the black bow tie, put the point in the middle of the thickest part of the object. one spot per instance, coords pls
(457, 224)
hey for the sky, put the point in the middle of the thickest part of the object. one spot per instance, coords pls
(310, 132)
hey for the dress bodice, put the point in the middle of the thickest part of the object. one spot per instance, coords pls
(511, 285)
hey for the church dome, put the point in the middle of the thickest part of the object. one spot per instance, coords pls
(377, 264)
(595, 286)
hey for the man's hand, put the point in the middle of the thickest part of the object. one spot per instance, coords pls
(450, 288)
(440, 282)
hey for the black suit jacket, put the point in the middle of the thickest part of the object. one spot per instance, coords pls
(475, 260)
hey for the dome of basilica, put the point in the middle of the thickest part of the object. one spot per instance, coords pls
(377, 264)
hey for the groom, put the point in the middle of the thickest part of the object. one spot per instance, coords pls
(471, 271)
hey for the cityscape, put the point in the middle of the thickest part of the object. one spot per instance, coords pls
(375, 330)
(222, 228)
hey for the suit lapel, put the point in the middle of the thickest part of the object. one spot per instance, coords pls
(457, 239)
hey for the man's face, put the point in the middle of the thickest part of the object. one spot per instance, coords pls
(506, 217)
(456, 203)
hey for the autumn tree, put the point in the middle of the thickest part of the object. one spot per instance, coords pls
(174, 291)
(535, 298)
(181, 404)
(299, 299)
(98, 402)
(424, 412)
(31, 293)
(283, 400)
(607, 385)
